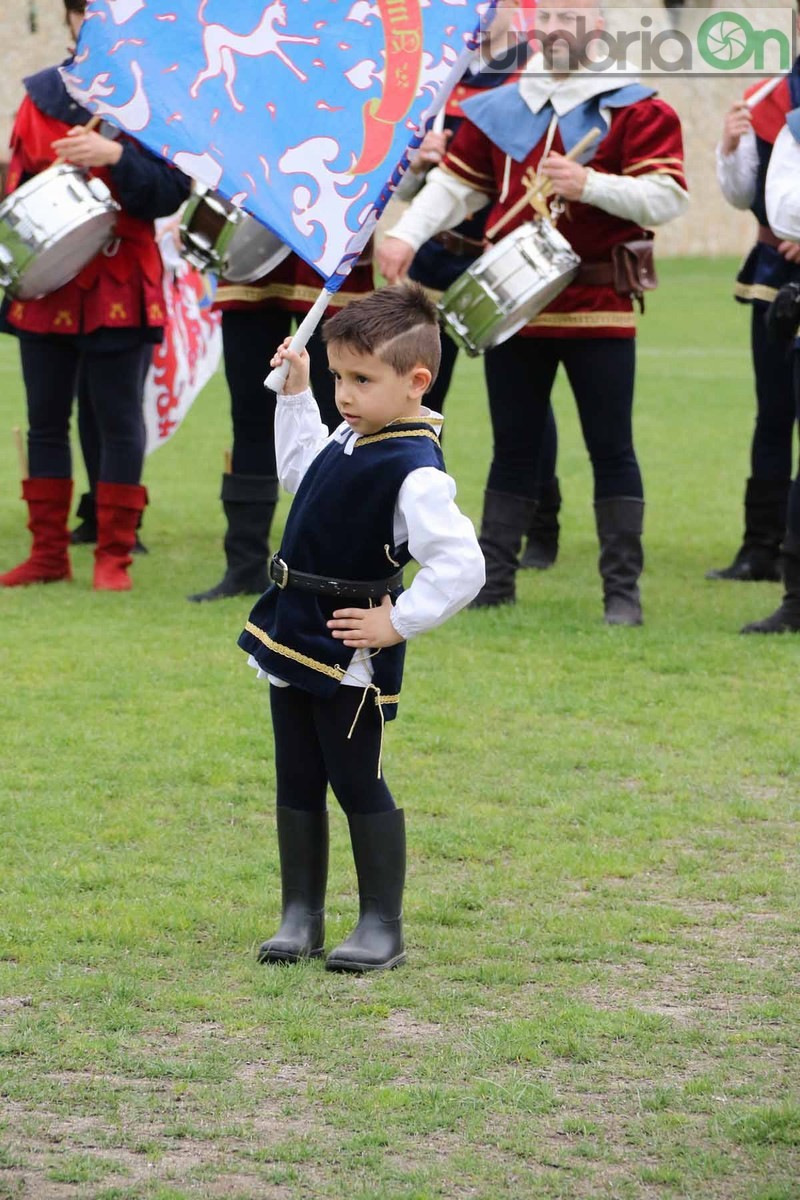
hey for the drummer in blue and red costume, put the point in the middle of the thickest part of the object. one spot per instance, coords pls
(101, 325)
(439, 261)
(743, 157)
(635, 180)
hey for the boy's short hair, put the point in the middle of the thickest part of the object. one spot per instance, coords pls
(75, 6)
(400, 325)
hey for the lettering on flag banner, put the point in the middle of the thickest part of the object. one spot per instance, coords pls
(191, 350)
(402, 23)
(301, 113)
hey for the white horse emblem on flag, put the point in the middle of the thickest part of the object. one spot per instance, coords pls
(220, 44)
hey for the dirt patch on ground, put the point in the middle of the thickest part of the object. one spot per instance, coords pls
(404, 1027)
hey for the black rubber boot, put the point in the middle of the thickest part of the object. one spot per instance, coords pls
(764, 522)
(85, 534)
(786, 618)
(249, 503)
(303, 849)
(379, 851)
(504, 521)
(619, 529)
(541, 550)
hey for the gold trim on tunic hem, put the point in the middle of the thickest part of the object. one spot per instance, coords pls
(295, 655)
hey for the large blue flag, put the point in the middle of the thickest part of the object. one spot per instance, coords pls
(299, 111)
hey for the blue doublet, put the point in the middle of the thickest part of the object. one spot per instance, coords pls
(341, 526)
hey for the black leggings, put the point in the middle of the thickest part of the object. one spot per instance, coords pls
(250, 337)
(771, 450)
(54, 369)
(520, 375)
(793, 512)
(312, 750)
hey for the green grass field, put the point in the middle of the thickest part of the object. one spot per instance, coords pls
(603, 905)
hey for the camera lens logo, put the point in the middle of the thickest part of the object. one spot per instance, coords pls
(727, 41)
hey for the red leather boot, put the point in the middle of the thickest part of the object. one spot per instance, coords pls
(48, 503)
(119, 506)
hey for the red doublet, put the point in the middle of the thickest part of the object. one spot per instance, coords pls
(118, 291)
(293, 287)
(643, 139)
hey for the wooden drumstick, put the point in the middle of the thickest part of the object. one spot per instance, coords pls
(227, 460)
(95, 121)
(21, 455)
(577, 150)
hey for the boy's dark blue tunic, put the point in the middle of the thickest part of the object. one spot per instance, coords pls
(340, 526)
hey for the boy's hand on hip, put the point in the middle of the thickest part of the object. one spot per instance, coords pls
(365, 628)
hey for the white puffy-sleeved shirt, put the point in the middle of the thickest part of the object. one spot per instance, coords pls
(783, 187)
(737, 173)
(439, 537)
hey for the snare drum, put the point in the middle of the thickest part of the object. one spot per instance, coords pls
(51, 227)
(217, 236)
(508, 285)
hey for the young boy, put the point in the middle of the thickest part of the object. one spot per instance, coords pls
(330, 633)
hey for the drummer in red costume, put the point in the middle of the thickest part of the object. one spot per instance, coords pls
(635, 180)
(256, 317)
(102, 324)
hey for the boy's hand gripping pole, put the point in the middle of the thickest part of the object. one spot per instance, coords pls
(277, 378)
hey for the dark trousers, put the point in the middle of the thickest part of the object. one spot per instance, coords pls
(520, 376)
(436, 397)
(249, 340)
(54, 370)
(793, 512)
(88, 428)
(312, 750)
(771, 449)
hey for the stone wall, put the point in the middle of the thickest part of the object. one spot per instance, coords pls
(710, 228)
(24, 52)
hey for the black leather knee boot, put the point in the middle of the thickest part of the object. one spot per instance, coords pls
(764, 522)
(619, 531)
(249, 503)
(541, 550)
(303, 849)
(504, 521)
(379, 851)
(786, 618)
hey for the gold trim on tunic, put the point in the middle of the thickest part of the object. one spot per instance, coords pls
(489, 191)
(382, 437)
(671, 160)
(295, 655)
(281, 291)
(754, 291)
(588, 320)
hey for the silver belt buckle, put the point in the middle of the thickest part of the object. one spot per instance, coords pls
(282, 568)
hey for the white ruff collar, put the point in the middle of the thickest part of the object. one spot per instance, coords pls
(537, 86)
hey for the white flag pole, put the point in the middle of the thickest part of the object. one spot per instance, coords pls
(764, 91)
(277, 378)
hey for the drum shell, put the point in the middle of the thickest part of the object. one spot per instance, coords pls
(51, 227)
(217, 236)
(507, 286)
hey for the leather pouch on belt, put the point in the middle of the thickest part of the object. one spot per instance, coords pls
(634, 269)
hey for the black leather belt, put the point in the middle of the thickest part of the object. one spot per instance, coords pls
(323, 585)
